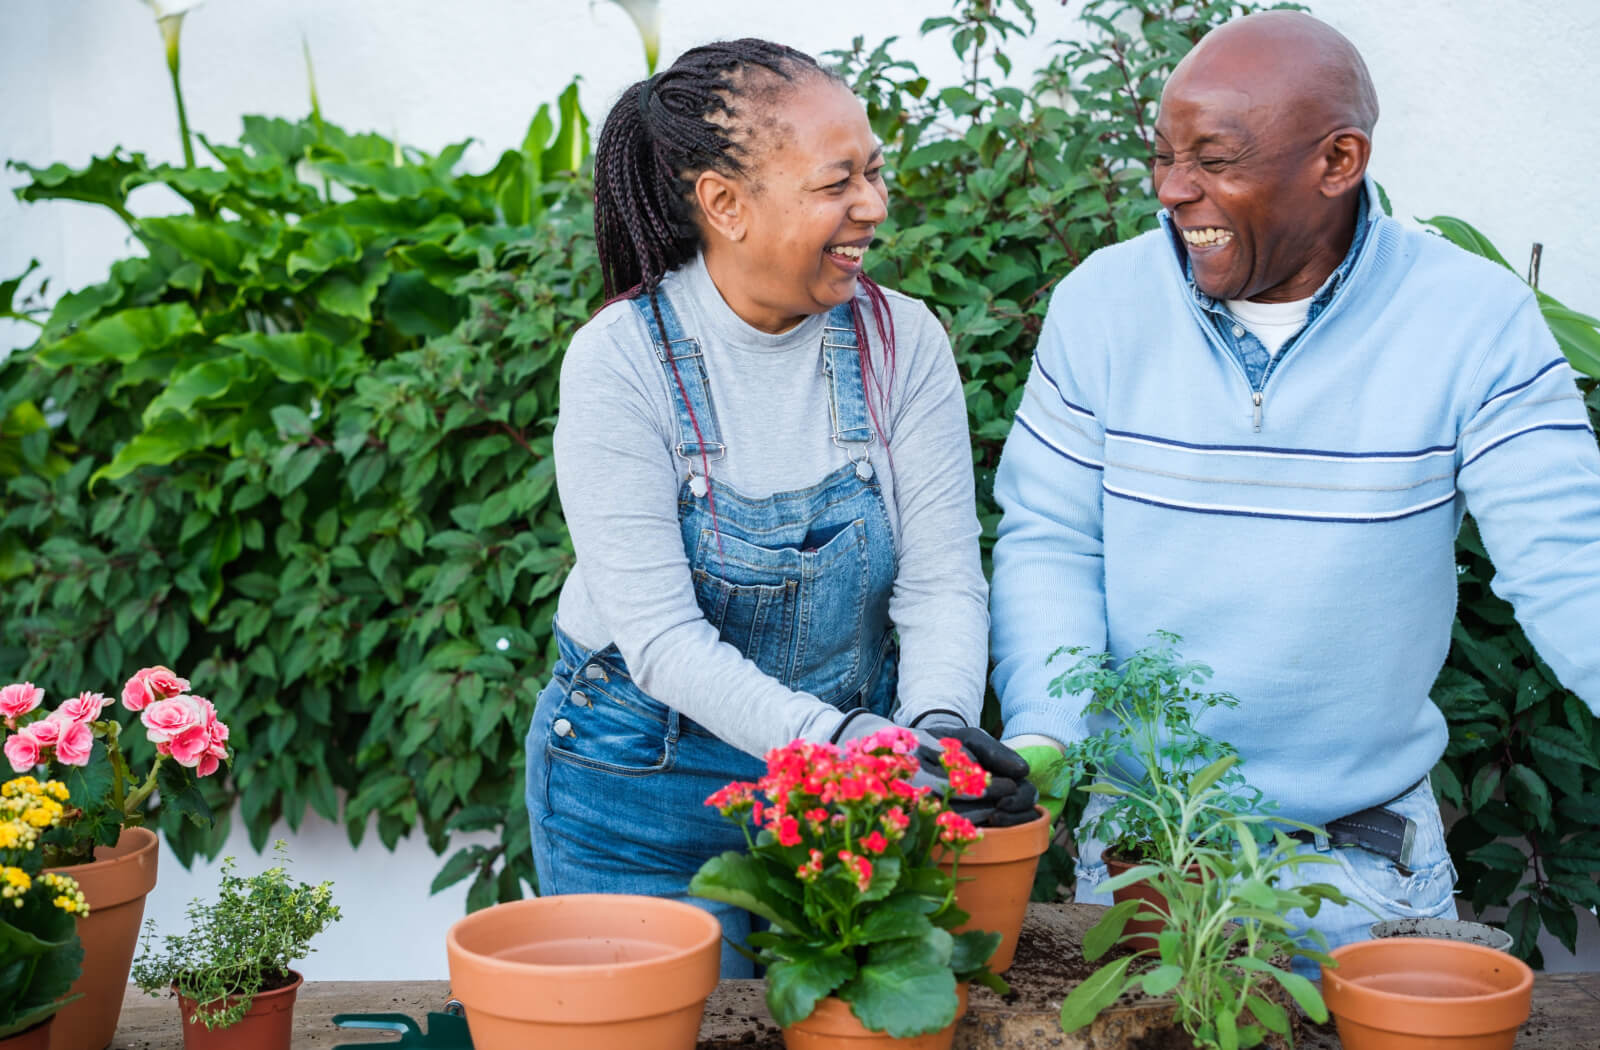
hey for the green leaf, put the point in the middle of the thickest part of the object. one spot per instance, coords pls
(797, 982)
(1463, 235)
(1302, 990)
(206, 381)
(906, 987)
(1084, 1003)
(1211, 774)
(1161, 980)
(972, 951)
(298, 357)
(125, 336)
(1103, 935)
(739, 879)
(159, 444)
(1529, 791)
(891, 923)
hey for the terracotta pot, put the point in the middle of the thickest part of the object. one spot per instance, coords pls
(115, 884)
(585, 972)
(267, 1025)
(1146, 929)
(832, 1026)
(35, 1038)
(1417, 993)
(995, 880)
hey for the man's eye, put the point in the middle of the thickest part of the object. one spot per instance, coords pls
(840, 186)
(1162, 159)
(874, 174)
(1213, 163)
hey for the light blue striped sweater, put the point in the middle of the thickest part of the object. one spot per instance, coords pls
(1302, 546)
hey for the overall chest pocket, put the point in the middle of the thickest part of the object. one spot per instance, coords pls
(794, 611)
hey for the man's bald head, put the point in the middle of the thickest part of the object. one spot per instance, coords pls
(1261, 146)
(1305, 63)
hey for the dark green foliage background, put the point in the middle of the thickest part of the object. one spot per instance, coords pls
(300, 449)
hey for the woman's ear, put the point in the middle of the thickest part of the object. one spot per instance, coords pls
(1345, 161)
(721, 201)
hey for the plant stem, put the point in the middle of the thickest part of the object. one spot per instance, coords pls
(171, 29)
(144, 791)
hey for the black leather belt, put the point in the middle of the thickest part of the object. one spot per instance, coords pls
(1378, 830)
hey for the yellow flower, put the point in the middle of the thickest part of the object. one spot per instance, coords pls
(10, 835)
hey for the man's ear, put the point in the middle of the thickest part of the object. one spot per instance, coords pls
(721, 201)
(1345, 161)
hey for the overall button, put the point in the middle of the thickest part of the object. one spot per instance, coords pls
(1238, 331)
(562, 727)
(581, 698)
(594, 672)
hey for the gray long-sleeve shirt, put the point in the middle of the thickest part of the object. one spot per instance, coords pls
(619, 480)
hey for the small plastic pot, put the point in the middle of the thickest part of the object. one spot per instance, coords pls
(1445, 930)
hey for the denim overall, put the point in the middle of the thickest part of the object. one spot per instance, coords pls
(798, 581)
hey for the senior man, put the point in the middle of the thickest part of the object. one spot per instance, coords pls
(1259, 426)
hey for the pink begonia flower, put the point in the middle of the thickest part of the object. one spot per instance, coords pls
(188, 747)
(151, 684)
(203, 747)
(85, 707)
(46, 731)
(166, 719)
(76, 741)
(18, 699)
(22, 751)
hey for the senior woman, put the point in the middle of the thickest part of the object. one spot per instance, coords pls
(763, 460)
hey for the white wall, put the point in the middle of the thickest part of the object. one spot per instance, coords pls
(1487, 115)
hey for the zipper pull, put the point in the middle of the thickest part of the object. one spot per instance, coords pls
(1256, 400)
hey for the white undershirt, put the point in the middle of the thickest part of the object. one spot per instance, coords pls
(1272, 323)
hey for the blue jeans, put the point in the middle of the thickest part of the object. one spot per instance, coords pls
(1376, 887)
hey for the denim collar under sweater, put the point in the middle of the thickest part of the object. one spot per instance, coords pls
(1241, 342)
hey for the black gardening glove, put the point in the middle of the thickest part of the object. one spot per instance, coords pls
(1009, 799)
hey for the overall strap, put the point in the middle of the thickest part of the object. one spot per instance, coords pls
(685, 369)
(847, 397)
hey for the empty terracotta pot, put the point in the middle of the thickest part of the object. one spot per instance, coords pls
(832, 1026)
(1417, 993)
(995, 880)
(267, 1025)
(585, 972)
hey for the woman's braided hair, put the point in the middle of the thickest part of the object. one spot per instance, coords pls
(700, 114)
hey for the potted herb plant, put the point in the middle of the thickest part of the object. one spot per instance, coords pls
(841, 862)
(1220, 905)
(1144, 757)
(38, 912)
(231, 967)
(101, 840)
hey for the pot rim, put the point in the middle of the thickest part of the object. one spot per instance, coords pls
(104, 875)
(285, 989)
(1339, 985)
(711, 935)
(1004, 845)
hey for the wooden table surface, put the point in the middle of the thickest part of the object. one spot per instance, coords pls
(1566, 1013)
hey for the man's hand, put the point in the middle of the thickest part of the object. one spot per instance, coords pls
(1009, 799)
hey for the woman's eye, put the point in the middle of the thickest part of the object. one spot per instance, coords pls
(840, 186)
(875, 174)
(1162, 159)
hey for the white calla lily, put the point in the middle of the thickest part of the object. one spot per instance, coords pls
(646, 15)
(169, 16)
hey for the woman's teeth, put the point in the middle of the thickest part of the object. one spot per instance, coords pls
(1207, 238)
(847, 251)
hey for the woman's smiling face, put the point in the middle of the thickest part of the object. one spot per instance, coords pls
(786, 240)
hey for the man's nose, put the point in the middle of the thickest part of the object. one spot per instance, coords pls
(1176, 185)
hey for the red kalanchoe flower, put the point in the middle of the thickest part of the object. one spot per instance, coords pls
(788, 831)
(736, 796)
(966, 776)
(809, 871)
(875, 843)
(895, 822)
(956, 829)
(858, 866)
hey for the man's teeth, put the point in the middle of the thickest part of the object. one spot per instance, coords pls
(849, 251)
(1208, 237)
